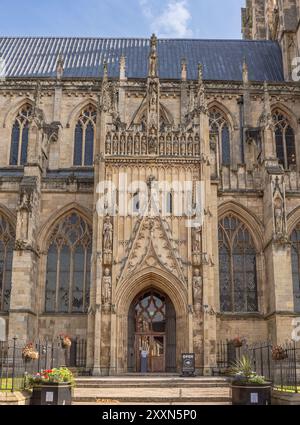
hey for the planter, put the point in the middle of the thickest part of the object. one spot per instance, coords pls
(279, 353)
(237, 343)
(66, 343)
(52, 395)
(251, 394)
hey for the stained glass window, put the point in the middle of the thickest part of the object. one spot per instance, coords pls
(7, 239)
(237, 265)
(84, 137)
(284, 140)
(150, 313)
(68, 267)
(19, 137)
(295, 239)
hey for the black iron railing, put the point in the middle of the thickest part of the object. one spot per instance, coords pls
(284, 373)
(14, 366)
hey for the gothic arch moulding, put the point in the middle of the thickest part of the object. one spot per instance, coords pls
(8, 214)
(287, 112)
(293, 219)
(228, 115)
(142, 109)
(130, 288)
(12, 112)
(253, 224)
(46, 229)
(74, 114)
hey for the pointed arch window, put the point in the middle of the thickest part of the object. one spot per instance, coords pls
(19, 137)
(69, 267)
(7, 240)
(237, 262)
(219, 131)
(285, 140)
(84, 137)
(295, 240)
(170, 203)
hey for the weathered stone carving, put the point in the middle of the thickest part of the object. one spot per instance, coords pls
(196, 245)
(152, 246)
(280, 230)
(106, 288)
(197, 290)
(200, 101)
(107, 241)
(108, 95)
(60, 67)
(153, 57)
(266, 119)
(26, 207)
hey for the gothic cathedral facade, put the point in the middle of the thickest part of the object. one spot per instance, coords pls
(93, 246)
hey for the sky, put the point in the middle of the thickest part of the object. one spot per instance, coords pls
(122, 18)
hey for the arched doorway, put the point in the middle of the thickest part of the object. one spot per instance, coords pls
(152, 333)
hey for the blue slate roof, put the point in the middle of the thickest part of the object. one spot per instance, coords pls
(84, 57)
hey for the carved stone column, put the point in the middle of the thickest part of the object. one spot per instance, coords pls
(98, 350)
(208, 244)
(23, 312)
(279, 284)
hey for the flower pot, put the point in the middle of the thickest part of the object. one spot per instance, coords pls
(52, 394)
(279, 353)
(246, 394)
(66, 343)
(237, 344)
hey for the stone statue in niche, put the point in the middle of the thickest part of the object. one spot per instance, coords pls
(161, 145)
(115, 144)
(196, 246)
(106, 287)
(168, 146)
(108, 144)
(144, 145)
(196, 239)
(107, 234)
(152, 144)
(197, 289)
(190, 146)
(130, 145)
(137, 145)
(278, 216)
(153, 104)
(122, 144)
(176, 146)
(107, 240)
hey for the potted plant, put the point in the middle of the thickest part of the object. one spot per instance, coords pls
(65, 341)
(29, 353)
(51, 387)
(237, 342)
(279, 353)
(249, 388)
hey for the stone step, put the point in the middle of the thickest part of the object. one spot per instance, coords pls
(150, 382)
(191, 395)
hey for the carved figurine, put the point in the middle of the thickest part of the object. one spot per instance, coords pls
(106, 288)
(197, 288)
(107, 234)
(278, 216)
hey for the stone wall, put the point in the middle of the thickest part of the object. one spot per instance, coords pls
(244, 189)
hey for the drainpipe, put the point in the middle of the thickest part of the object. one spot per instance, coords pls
(242, 126)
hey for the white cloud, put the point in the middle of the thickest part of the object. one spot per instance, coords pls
(146, 8)
(173, 21)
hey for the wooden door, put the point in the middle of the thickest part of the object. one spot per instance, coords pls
(158, 353)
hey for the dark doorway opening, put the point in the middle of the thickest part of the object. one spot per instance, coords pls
(152, 334)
